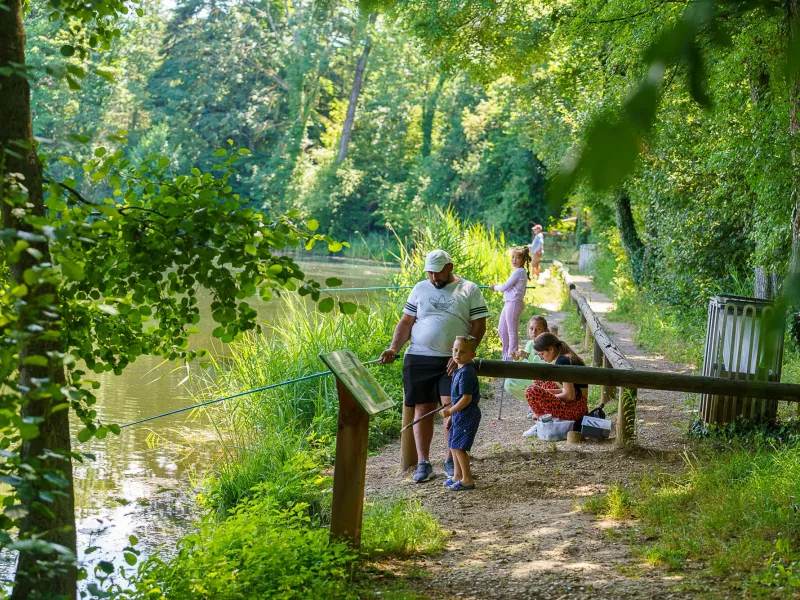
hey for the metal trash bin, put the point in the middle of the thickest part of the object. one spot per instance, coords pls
(738, 347)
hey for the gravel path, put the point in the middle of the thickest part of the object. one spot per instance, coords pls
(520, 533)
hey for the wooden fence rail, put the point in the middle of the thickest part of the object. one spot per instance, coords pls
(632, 379)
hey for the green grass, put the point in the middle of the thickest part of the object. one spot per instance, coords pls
(614, 504)
(735, 512)
(399, 527)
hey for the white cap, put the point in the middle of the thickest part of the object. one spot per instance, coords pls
(436, 260)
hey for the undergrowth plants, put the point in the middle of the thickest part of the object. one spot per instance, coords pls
(735, 513)
(273, 545)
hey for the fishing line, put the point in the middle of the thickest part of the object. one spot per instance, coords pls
(239, 395)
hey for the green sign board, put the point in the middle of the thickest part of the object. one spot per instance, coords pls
(358, 380)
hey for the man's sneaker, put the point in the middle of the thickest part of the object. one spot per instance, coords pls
(449, 467)
(530, 433)
(424, 471)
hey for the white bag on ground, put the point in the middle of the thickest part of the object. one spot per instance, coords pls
(554, 430)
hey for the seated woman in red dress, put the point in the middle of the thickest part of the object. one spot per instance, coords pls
(566, 401)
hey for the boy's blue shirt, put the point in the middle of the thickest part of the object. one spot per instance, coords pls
(465, 381)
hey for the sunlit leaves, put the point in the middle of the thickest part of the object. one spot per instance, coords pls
(610, 145)
(123, 282)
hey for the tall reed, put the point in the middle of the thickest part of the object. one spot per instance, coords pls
(263, 432)
(479, 254)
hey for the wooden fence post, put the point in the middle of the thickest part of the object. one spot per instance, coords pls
(609, 391)
(350, 469)
(597, 355)
(626, 416)
(587, 340)
(408, 447)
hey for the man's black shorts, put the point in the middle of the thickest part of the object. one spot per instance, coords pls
(425, 379)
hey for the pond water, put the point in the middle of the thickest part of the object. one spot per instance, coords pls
(141, 482)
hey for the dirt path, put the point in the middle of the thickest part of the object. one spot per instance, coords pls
(520, 534)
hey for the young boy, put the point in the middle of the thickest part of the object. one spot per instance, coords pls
(466, 414)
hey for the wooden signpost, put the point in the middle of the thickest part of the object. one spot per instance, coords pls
(359, 397)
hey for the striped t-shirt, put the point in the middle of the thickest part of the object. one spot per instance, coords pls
(442, 315)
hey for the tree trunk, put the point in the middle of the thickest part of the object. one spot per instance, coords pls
(765, 286)
(18, 155)
(355, 92)
(793, 26)
(631, 242)
(428, 112)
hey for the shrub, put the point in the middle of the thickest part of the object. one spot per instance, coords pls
(399, 527)
(274, 544)
(260, 551)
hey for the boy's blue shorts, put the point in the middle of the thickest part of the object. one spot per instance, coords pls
(463, 428)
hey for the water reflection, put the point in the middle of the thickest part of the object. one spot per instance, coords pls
(140, 482)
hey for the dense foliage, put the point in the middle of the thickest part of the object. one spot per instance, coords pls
(276, 78)
(682, 117)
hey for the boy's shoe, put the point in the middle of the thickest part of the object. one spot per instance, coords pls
(449, 467)
(460, 487)
(530, 433)
(424, 471)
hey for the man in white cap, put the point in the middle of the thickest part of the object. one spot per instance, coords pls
(437, 310)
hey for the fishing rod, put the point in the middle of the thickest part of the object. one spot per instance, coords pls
(423, 417)
(239, 395)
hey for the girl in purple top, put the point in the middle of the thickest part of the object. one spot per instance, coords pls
(513, 294)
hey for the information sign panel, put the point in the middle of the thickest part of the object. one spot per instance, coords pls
(358, 380)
